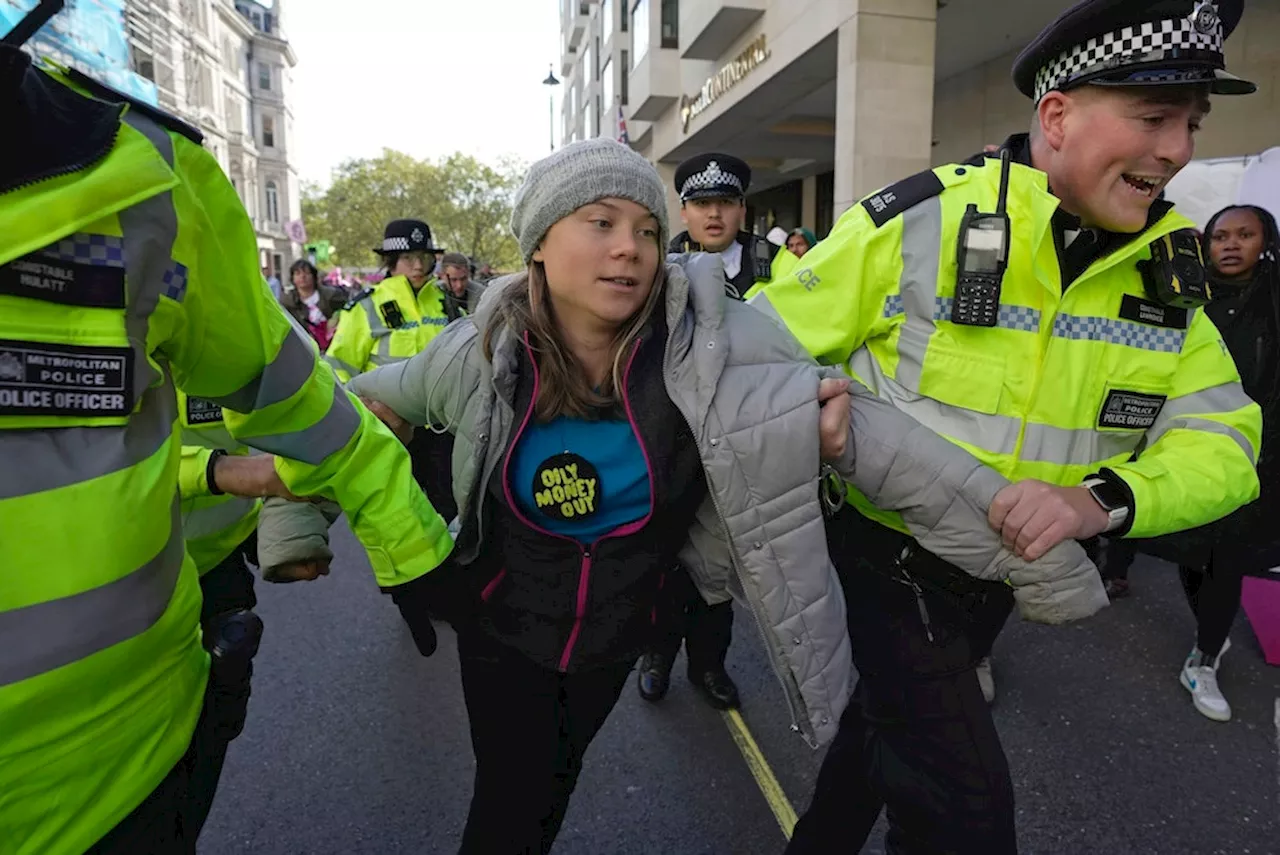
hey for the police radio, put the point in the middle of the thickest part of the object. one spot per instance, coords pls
(1175, 275)
(982, 254)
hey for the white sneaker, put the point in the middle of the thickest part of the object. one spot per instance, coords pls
(1200, 678)
(986, 680)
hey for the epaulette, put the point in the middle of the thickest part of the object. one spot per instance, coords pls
(103, 92)
(901, 197)
(351, 304)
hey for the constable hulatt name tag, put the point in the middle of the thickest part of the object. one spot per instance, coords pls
(39, 379)
(48, 278)
(202, 411)
(1130, 410)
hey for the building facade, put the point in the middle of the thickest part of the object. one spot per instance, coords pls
(225, 67)
(830, 100)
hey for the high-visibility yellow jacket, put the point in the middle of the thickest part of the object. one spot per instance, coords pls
(212, 526)
(389, 324)
(1066, 384)
(124, 270)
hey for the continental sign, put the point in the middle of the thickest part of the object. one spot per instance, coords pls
(722, 81)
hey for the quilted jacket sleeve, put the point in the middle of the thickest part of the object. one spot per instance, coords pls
(943, 493)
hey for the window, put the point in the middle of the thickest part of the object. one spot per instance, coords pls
(623, 70)
(625, 16)
(595, 119)
(607, 20)
(268, 132)
(588, 63)
(273, 202)
(639, 31)
(606, 84)
(145, 66)
(595, 68)
(264, 77)
(670, 23)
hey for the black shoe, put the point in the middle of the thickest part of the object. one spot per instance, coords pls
(654, 678)
(717, 689)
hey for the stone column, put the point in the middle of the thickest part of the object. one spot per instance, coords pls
(809, 203)
(667, 171)
(884, 101)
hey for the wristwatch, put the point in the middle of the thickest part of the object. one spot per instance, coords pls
(1111, 498)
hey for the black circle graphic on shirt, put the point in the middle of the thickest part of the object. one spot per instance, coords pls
(567, 487)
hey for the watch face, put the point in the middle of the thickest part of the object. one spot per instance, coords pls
(1109, 495)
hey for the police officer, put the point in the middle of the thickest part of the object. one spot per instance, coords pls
(1044, 328)
(712, 189)
(393, 321)
(713, 205)
(127, 265)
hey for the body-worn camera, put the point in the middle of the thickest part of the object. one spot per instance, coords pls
(1175, 275)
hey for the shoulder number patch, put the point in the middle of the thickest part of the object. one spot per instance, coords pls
(1130, 410)
(900, 197)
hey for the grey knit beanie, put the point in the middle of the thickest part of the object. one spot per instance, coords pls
(577, 175)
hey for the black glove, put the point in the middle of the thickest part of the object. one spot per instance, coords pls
(411, 598)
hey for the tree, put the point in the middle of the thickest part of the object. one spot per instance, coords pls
(466, 203)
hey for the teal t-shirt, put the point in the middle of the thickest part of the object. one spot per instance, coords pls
(578, 478)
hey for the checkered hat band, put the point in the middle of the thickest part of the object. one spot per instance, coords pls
(395, 244)
(709, 178)
(1141, 43)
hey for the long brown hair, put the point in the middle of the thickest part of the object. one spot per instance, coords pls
(563, 388)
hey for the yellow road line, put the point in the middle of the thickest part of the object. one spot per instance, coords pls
(760, 770)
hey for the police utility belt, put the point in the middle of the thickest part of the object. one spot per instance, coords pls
(1175, 276)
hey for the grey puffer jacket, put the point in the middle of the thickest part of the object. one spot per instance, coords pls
(750, 395)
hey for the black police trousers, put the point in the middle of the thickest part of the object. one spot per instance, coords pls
(917, 738)
(705, 630)
(170, 819)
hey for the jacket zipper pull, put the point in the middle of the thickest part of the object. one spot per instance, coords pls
(915, 588)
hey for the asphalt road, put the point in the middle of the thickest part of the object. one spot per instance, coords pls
(356, 744)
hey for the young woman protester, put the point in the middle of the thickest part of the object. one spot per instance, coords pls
(616, 418)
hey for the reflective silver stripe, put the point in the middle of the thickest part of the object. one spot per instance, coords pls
(1210, 426)
(280, 379)
(36, 461)
(155, 134)
(316, 443)
(1010, 317)
(345, 367)
(994, 433)
(379, 360)
(202, 522)
(1081, 447)
(921, 237)
(39, 638)
(1114, 331)
(1225, 398)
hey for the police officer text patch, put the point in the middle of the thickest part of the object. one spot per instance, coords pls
(39, 379)
(202, 411)
(49, 278)
(566, 487)
(1130, 410)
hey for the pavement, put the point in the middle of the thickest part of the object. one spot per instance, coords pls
(356, 744)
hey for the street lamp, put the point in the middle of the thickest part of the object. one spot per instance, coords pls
(551, 109)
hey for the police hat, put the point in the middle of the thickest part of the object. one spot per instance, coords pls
(712, 176)
(1133, 43)
(406, 236)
